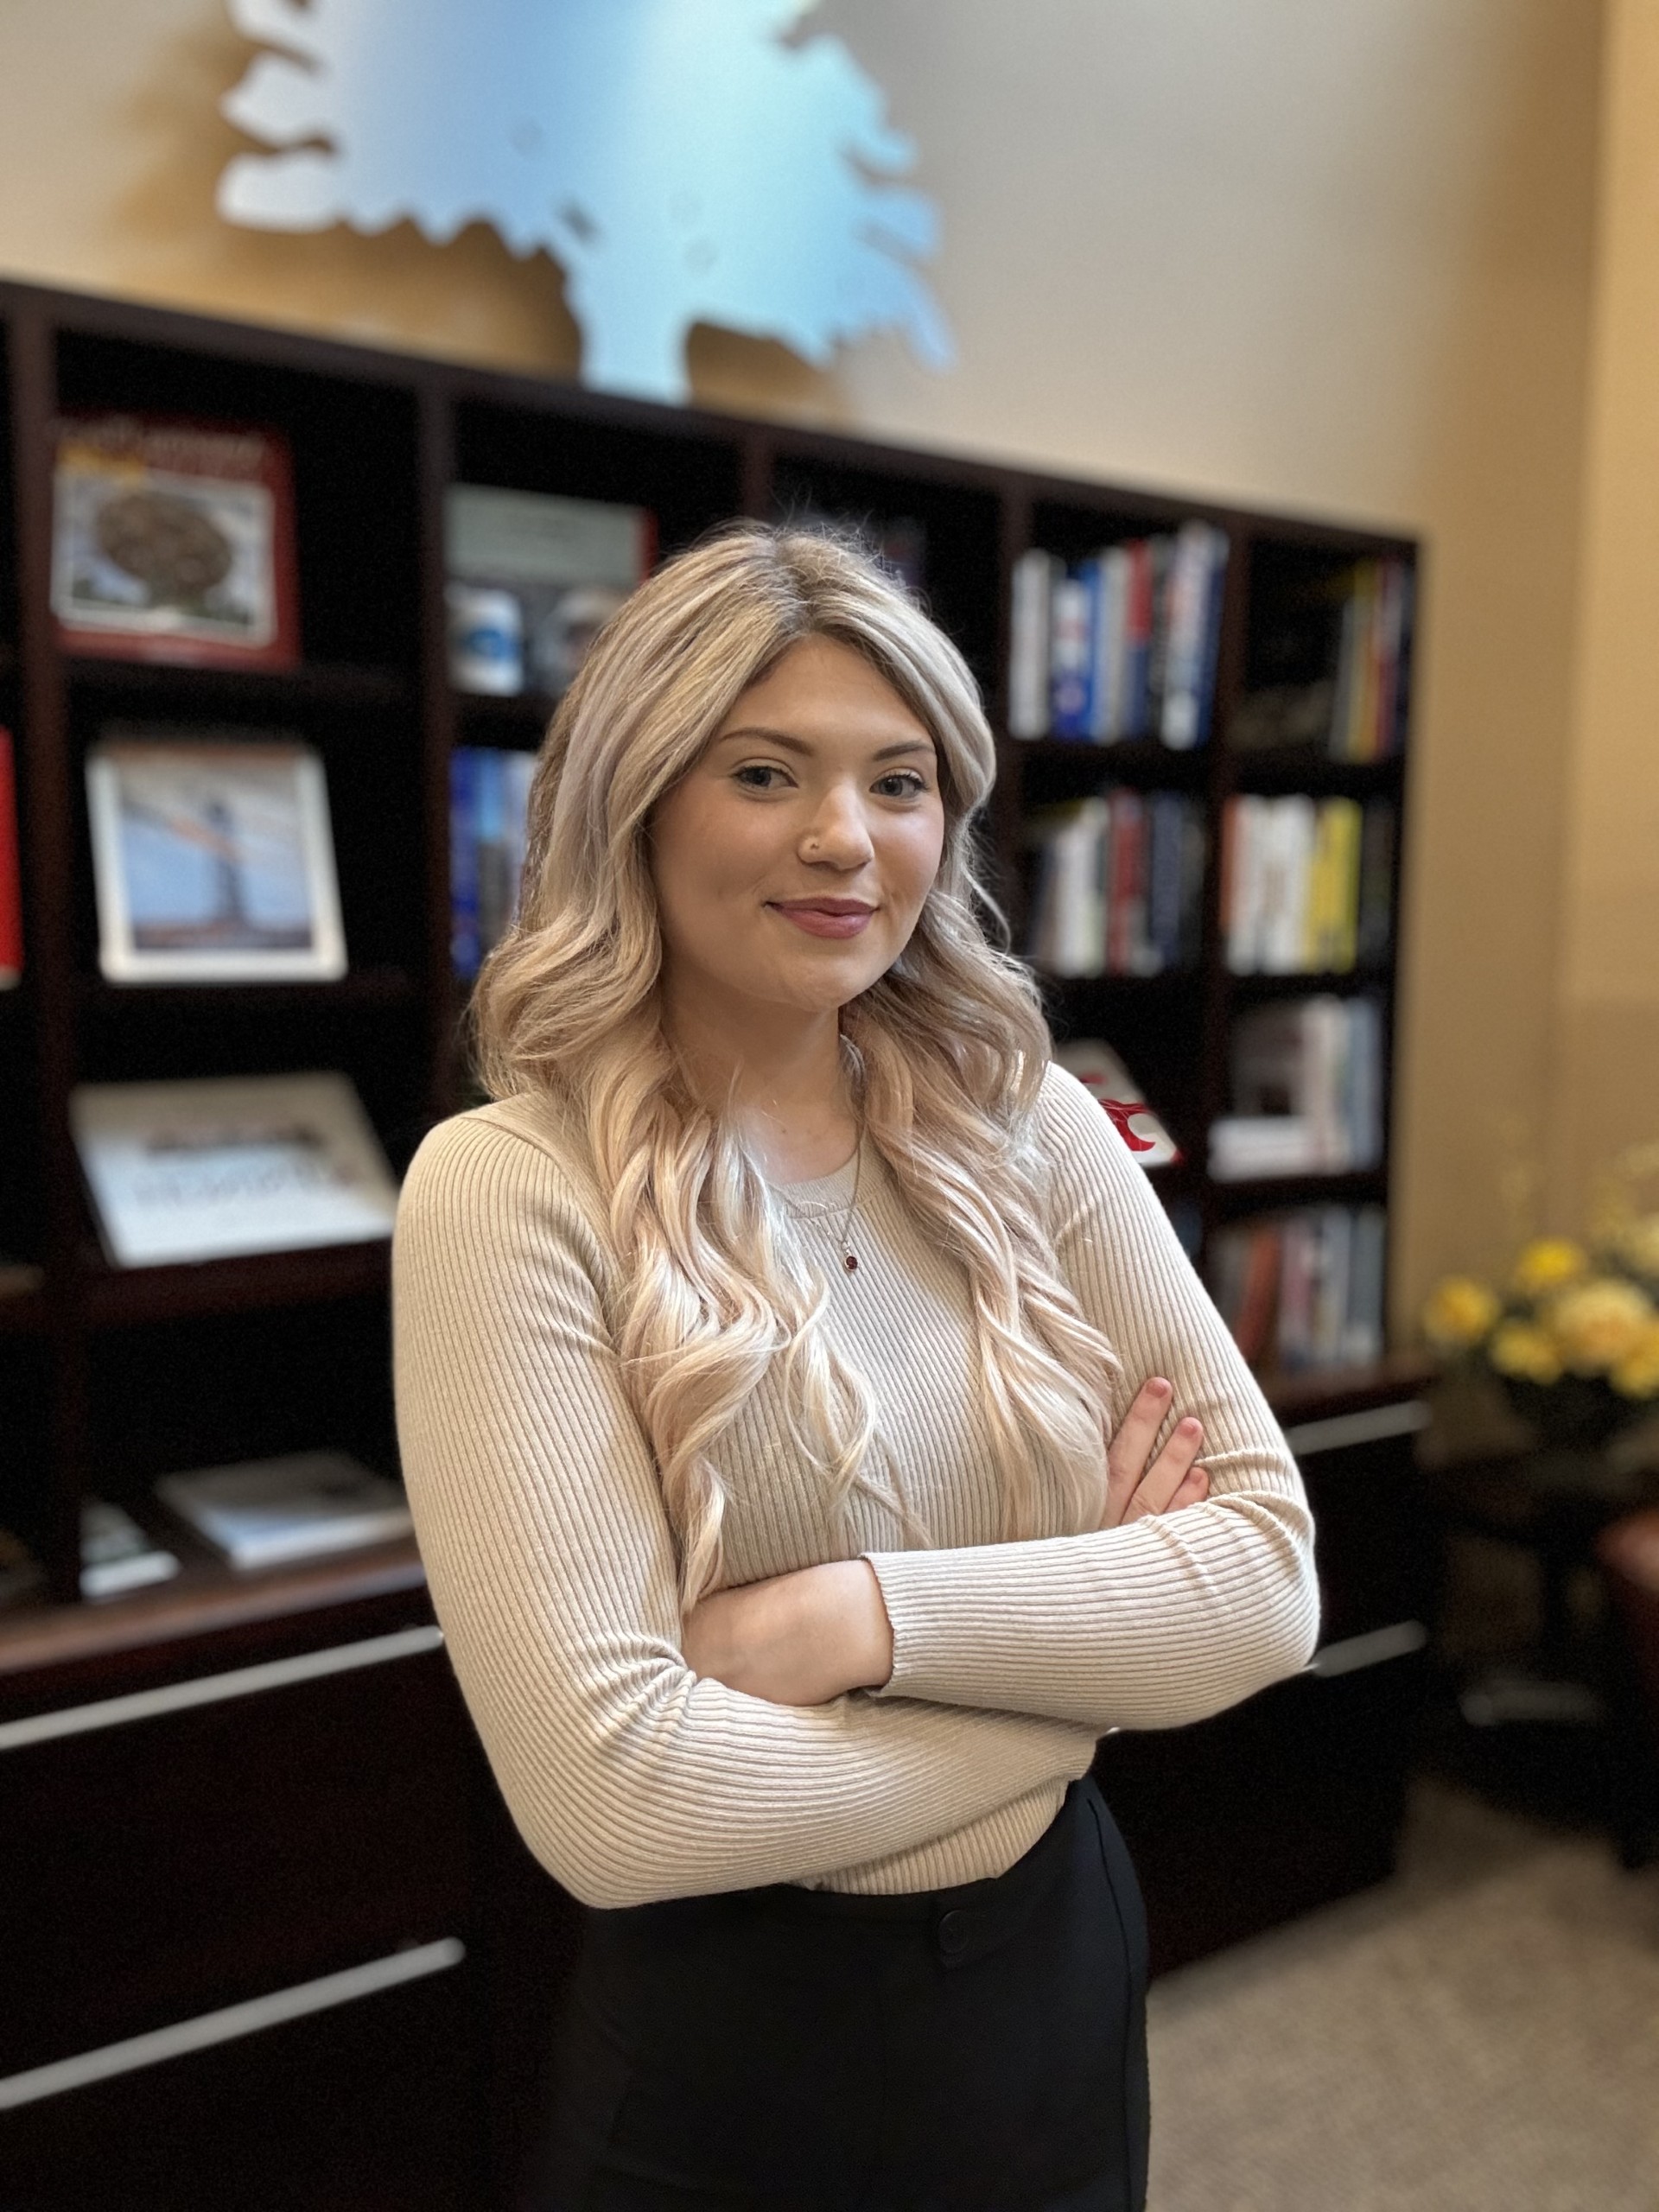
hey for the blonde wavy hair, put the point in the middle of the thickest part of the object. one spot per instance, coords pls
(946, 1054)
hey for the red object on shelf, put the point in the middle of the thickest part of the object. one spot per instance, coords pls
(11, 901)
(173, 540)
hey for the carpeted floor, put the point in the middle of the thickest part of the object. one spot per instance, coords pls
(1480, 2035)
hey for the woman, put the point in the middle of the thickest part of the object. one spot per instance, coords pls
(757, 1352)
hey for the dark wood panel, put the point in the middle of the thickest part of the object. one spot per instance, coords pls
(370, 2107)
(167, 1866)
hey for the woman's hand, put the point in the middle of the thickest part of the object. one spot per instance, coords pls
(1136, 1483)
(796, 1639)
(807, 1637)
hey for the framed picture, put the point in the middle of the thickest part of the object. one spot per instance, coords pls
(211, 858)
(174, 540)
(211, 1168)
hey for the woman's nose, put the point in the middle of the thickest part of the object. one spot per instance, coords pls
(838, 834)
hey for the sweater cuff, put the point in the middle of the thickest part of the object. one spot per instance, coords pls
(918, 1605)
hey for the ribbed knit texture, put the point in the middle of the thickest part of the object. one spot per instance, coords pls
(552, 1568)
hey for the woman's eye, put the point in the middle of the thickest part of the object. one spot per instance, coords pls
(903, 783)
(759, 775)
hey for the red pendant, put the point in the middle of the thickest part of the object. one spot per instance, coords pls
(849, 1262)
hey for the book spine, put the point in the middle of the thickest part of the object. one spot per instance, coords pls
(1374, 924)
(11, 897)
(1137, 636)
(1194, 863)
(1071, 698)
(464, 949)
(1030, 630)
(1165, 877)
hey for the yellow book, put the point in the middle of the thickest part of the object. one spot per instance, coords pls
(1340, 827)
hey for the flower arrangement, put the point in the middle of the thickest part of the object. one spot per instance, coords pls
(1572, 1334)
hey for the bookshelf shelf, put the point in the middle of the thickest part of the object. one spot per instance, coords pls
(147, 686)
(366, 988)
(122, 1297)
(376, 441)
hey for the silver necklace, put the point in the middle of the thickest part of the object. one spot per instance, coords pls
(849, 1257)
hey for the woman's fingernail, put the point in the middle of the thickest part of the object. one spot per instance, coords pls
(1189, 1427)
(1158, 1387)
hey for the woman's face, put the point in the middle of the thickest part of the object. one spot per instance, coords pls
(791, 863)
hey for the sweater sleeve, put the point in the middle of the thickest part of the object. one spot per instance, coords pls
(552, 1569)
(1171, 1617)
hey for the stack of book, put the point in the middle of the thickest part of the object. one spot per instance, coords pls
(1306, 1080)
(1121, 646)
(1303, 1289)
(1118, 888)
(1306, 887)
(489, 802)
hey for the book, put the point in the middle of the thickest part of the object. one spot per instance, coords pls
(562, 566)
(1034, 577)
(1303, 1290)
(1305, 1090)
(213, 859)
(489, 796)
(1071, 657)
(1197, 582)
(205, 1169)
(116, 1555)
(262, 1513)
(1307, 887)
(173, 540)
(1118, 884)
(11, 890)
(1099, 1068)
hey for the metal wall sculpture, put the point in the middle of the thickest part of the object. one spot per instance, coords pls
(684, 160)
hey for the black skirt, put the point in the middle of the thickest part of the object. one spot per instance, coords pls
(980, 2049)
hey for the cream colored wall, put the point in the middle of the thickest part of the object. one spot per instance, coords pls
(1325, 254)
(1607, 1090)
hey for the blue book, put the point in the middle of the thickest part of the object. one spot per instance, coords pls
(464, 949)
(1072, 659)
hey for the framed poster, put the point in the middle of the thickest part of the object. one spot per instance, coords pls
(211, 858)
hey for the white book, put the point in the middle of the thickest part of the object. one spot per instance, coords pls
(1034, 575)
(1246, 1146)
(1362, 1090)
(203, 1170)
(1195, 572)
(116, 1556)
(1097, 1067)
(1289, 828)
(1079, 892)
(266, 1512)
(1248, 829)
(1332, 1265)
(1326, 1038)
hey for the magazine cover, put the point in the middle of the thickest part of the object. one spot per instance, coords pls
(1100, 1070)
(174, 540)
(211, 858)
(533, 579)
(203, 1170)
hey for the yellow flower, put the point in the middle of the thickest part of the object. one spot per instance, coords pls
(1523, 1348)
(1636, 1375)
(1549, 1263)
(1599, 1323)
(1460, 1312)
(1637, 1245)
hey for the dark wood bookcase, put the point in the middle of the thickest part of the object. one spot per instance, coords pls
(110, 1378)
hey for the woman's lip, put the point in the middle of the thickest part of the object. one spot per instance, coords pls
(825, 917)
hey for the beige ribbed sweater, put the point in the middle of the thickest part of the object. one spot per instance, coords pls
(553, 1573)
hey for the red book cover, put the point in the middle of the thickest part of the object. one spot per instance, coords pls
(11, 898)
(173, 540)
(1126, 927)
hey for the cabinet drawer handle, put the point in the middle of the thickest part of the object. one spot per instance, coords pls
(1372, 1649)
(1370, 1426)
(231, 2021)
(208, 1689)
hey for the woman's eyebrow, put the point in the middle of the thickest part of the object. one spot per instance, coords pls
(782, 737)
